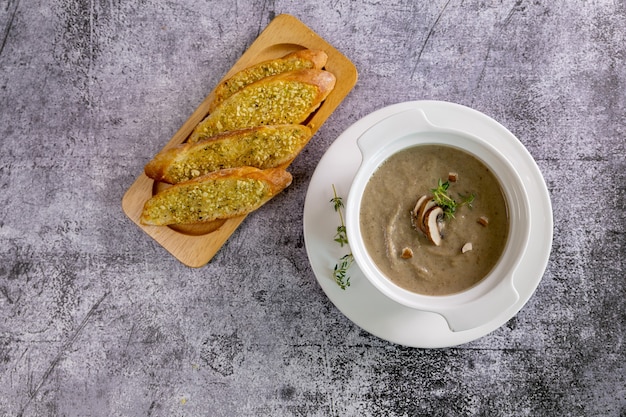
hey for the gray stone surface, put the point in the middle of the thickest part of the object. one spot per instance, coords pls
(97, 319)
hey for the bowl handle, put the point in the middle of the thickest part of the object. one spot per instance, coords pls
(480, 311)
(403, 124)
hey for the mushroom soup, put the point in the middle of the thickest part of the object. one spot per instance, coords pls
(434, 219)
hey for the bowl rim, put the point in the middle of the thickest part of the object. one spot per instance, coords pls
(412, 128)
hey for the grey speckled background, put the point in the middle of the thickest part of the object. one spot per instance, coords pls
(97, 319)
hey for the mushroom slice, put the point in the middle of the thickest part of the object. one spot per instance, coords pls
(467, 247)
(416, 211)
(419, 203)
(422, 219)
(431, 224)
(424, 203)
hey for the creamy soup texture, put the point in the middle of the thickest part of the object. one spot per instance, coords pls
(387, 230)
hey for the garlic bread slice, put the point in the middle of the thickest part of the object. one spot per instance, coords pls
(303, 59)
(287, 98)
(219, 195)
(261, 147)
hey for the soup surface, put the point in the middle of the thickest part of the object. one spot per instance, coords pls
(387, 229)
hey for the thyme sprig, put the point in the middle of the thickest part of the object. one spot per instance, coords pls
(340, 272)
(446, 202)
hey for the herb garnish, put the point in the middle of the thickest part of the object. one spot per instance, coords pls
(340, 273)
(446, 202)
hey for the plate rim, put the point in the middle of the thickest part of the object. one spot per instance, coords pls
(342, 300)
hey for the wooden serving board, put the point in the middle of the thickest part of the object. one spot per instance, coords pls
(196, 245)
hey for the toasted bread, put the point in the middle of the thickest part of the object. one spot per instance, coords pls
(303, 59)
(219, 195)
(260, 147)
(286, 98)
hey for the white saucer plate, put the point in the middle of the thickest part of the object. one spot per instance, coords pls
(361, 302)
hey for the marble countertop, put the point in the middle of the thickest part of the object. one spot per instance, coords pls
(98, 319)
